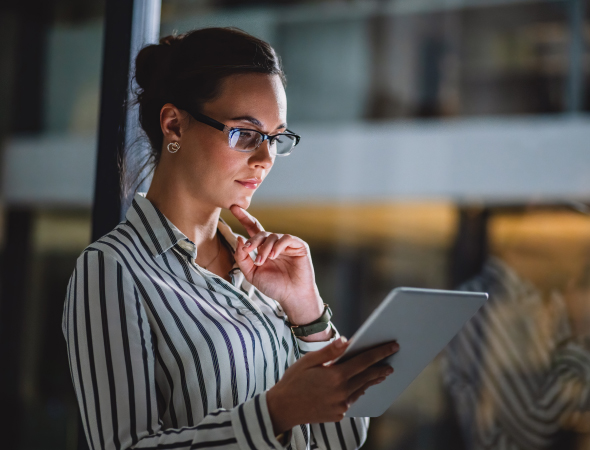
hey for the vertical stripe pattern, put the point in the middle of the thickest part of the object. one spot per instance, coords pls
(164, 354)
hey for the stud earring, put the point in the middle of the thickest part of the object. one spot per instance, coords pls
(175, 147)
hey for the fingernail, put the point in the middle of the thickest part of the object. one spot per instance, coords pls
(340, 342)
(272, 255)
(258, 258)
(247, 244)
(379, 380)
(389, 370)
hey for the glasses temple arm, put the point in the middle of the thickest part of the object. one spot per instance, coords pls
(206, 120)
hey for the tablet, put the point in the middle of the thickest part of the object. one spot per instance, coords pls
(422, 321)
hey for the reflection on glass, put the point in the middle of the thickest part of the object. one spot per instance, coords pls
(519, 372)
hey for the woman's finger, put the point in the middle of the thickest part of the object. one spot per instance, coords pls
(243, 259)
(369, 375)
(326, 354)
(265, 249)
(287, 241)
(361, 362)
(255, 241)
(361, 391)
(246, 219)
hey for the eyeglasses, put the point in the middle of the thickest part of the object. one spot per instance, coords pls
(247, 140)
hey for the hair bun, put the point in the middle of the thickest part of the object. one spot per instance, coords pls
(154, 62)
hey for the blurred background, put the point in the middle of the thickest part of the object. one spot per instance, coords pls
(443, 142)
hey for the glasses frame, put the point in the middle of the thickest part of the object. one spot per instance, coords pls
(199, 117)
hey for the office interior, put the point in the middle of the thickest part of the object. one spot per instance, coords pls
(438, 136)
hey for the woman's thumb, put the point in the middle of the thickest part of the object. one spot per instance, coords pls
(329, 352)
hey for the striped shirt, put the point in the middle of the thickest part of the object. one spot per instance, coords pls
(517, 375)
(164, 354)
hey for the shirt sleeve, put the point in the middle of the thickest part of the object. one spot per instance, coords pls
(306, 347)
(349, 433)
(112, 362)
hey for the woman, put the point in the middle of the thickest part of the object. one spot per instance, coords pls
(176, 337)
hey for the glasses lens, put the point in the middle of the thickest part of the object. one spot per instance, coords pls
(284, 143)
(244, 140)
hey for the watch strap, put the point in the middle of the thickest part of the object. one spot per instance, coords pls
(316, 326)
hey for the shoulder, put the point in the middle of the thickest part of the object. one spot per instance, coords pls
(117, 246)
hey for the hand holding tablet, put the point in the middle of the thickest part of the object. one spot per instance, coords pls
(351, 378)
(422, 321)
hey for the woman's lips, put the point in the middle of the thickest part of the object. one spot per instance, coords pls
(250, 184)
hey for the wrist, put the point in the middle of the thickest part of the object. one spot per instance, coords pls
(276, 409)
(304, 311)
(325, 335)
(317, 327)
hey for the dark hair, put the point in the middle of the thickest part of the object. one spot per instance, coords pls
(188, 69)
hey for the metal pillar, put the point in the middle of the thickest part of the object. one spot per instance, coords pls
(470, 249)
(129, 25)
(146, 30)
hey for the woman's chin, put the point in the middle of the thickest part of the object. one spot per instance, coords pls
(242, 202)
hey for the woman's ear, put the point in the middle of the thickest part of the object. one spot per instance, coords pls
(172, 122)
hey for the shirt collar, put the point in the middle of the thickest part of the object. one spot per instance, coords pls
(159, 233)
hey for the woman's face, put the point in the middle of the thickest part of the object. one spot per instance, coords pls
(212, 172)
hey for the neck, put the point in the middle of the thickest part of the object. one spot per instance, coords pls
(197, 220)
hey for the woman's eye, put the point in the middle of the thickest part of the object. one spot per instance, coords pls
(246, 134)
(245, 140)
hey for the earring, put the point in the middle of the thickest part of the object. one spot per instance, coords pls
(175, 146)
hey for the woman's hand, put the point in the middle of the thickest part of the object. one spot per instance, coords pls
(312, 392)
(283, 269)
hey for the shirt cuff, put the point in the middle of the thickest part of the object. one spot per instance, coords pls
(252, 425)
(305, 346)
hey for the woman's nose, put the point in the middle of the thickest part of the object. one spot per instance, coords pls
(262, 156)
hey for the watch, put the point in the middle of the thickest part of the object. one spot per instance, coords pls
(313, 327)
